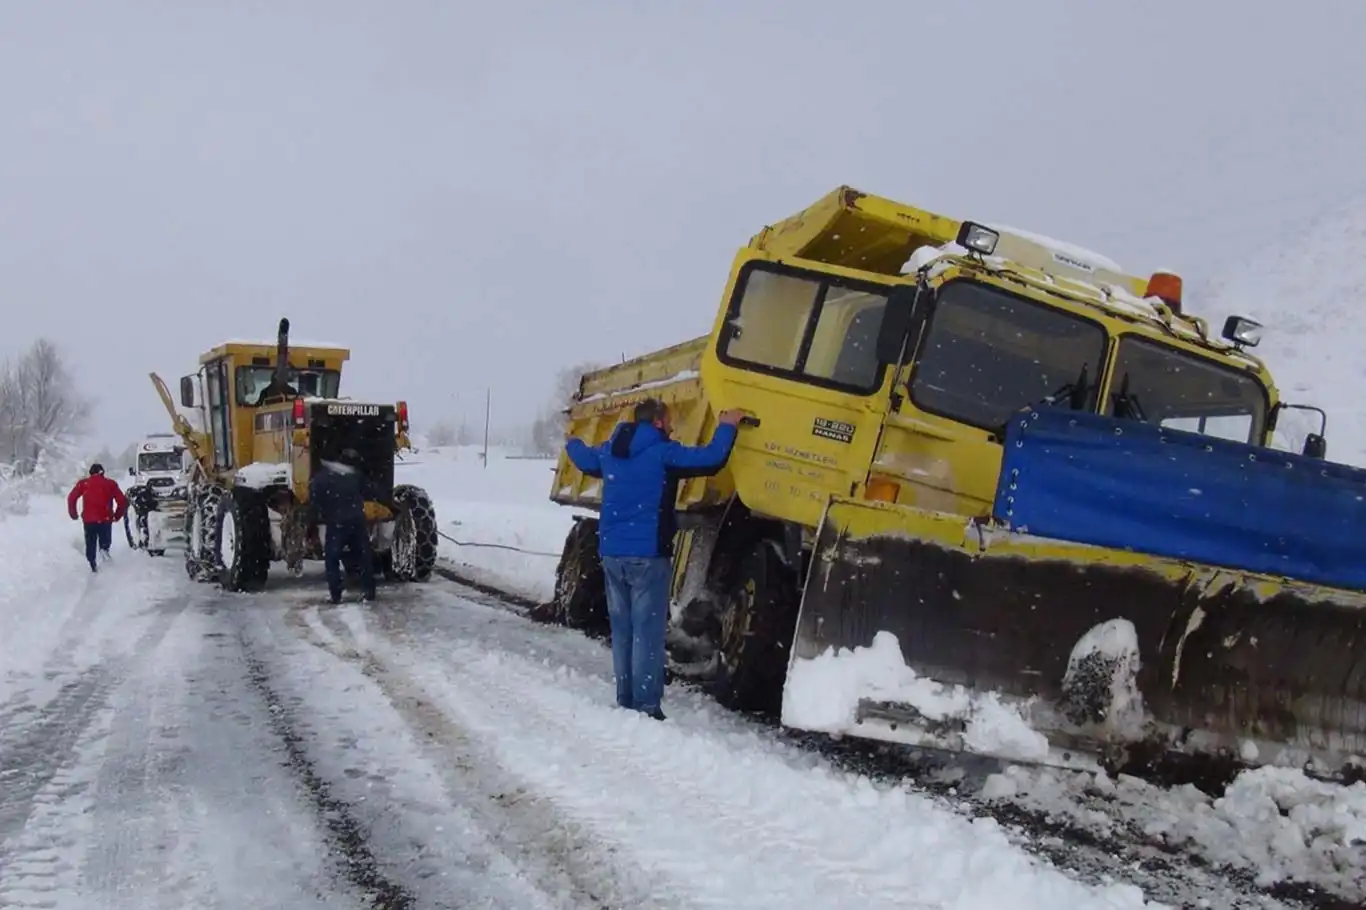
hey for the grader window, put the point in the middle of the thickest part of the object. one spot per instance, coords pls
(811, 327)
(989, 353)
(1165, 385)
(252, 381)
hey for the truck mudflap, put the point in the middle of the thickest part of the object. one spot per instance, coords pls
(934, 630)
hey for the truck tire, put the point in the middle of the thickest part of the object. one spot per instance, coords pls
(242, 541)
(200, 548)
(580, 587)
(413, 554)
(759, 618)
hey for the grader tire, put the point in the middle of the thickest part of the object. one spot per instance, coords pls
(242, 541)
(761, 601)
(200, 533)
(413, 555)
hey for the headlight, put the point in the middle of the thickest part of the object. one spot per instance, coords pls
(977, 238)
(1242, 331)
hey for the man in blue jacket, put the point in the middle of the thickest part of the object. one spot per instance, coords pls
(640, 467)
(336, 498)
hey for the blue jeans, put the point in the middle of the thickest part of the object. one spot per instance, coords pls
(339, 536)
(99, 533)
(638, 608)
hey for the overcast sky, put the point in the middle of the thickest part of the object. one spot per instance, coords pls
(475, 194)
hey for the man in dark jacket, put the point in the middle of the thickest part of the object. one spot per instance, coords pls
(640, 468)
(336, 498)
(102, 504)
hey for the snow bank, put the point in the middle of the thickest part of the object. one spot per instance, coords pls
(497, 521)
(822, 694)
(1275, 823)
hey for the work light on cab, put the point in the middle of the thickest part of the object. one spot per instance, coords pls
(1242, 331)
(978, 239)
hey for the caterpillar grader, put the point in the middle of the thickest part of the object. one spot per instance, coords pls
(269, 416)
(989, 474)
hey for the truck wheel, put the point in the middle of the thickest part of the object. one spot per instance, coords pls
(413, 553)
(757, 624)
(200, 516)
(243, 541)
(580, 587)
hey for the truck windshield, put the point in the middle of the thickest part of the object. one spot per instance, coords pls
(1161, 384)
(252, 381)
(149, 462)
(988, 353)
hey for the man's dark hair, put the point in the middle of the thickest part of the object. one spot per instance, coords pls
(96, 468)
(650, 410)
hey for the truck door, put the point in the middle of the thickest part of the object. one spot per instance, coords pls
(220, 418)
(797, 347)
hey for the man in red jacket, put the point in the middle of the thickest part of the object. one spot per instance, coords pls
(103, 503)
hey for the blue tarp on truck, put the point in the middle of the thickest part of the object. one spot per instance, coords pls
(1090, 479)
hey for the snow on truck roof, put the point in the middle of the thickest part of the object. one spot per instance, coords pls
(1070, 250)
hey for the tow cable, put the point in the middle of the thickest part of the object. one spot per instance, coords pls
(495, 546)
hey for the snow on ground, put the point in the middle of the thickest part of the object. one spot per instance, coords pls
(1275, 823)
(489, 509)
(48, 592)
(513, 726)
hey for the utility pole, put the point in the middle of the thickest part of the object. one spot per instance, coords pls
(488, 409)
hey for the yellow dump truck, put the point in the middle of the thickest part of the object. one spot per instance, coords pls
(1000, 496)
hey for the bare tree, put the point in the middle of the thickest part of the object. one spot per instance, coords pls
(547, 430)
(442, 434)
(39, 405)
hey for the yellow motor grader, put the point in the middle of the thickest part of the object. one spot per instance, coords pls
(990, 475)
(269, 416)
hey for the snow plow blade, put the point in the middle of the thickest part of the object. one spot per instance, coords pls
(1002, 637)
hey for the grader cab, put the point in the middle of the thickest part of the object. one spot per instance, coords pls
(270, 416)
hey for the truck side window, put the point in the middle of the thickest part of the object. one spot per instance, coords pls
(810, 327)
(1184, 391)
(771, 322)
(989, 353)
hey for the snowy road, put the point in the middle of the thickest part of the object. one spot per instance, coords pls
(172, 746)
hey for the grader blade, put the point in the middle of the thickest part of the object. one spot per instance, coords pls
(932, 629)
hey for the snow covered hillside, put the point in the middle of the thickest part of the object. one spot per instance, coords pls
(1309, 292)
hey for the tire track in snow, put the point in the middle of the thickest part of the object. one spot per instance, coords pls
(36, 744)
(561, 857)
(358, 863)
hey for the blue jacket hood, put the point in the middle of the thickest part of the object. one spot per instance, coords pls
(630, 439)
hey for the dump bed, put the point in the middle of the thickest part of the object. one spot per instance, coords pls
(607, 396)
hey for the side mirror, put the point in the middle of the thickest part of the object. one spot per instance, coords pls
(132, 472)
(1315, 446)
(187, 392)
(896, 323)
